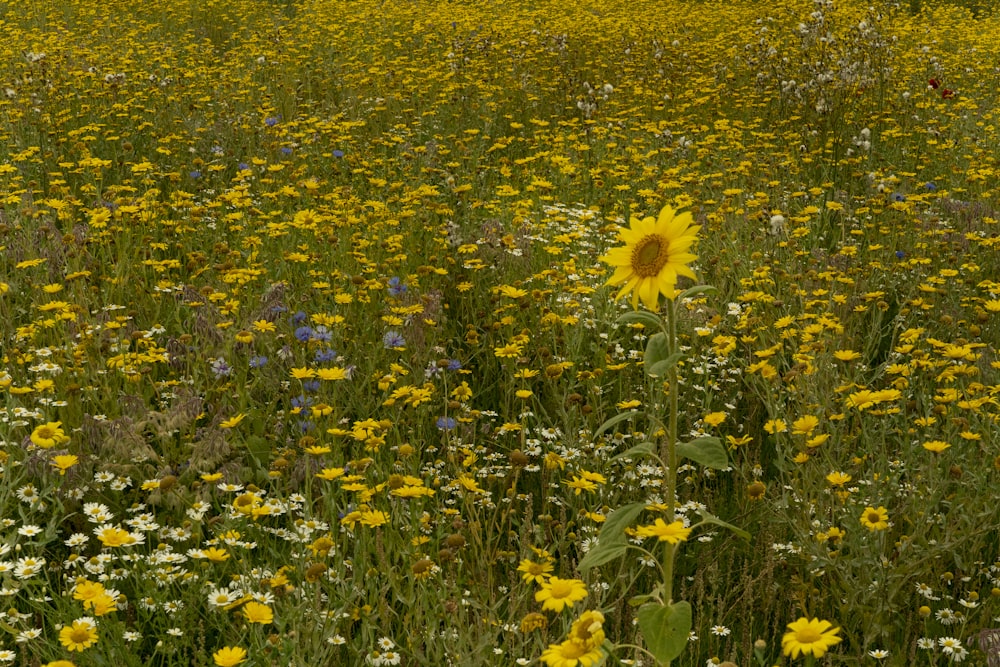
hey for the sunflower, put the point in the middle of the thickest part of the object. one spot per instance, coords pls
(654, 255)
(809, 637)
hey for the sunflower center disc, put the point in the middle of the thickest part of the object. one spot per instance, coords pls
(649, 255)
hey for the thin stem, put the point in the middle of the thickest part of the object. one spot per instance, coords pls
(669, 455)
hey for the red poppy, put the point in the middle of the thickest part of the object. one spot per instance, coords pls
(947, 94)
(934, 83)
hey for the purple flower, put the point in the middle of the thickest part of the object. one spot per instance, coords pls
(454, 364)
(304, 334)
(220, 368)
(396, 287)
(258, 362)
(393, 339)
(272, 121)
(299, 317)
(326, 355)
(445, 423)
(311, 386)
(195, 174)
(338, 153)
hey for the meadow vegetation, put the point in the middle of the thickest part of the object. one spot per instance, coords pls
(307, 344)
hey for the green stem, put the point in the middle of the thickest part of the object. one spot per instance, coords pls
(668, 454)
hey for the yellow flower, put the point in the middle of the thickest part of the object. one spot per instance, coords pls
(666, 532)
(79, 635)
(588, 629)
(256, 612)
(112, 536)
(805, 425)
(557, 593)
(49, 435)
(60, 663)
(532, 571)
(64, 462)
(809, 637)
(936, 446)
(233, 421)
(715, 418)
(838, 478)
(571, 654)
(654, 255)
(229, 656)
(875, 518)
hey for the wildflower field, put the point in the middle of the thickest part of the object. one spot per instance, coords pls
(329, 333)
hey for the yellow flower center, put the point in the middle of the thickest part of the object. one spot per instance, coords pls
(649, 255)
(808, 636)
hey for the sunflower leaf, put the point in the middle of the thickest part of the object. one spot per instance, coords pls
(665, 628)
(611, 542)
(614, 420)
(643, 317)
(642, 449)
(696, 290)
(661, 367)
(657, 349)
(707, 450)
(601, 554)
(708, 517)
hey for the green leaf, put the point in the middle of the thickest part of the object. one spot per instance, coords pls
(640, 599)
(642, 449)
(656, 349)
(665, 628)
(614, 420)
(643, 317)
(695, 291)
(260, 449)
(707, 450)
(708, 517)
(601, 554)
(661, 367)
(612, 536)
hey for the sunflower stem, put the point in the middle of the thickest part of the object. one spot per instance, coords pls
(668, 453)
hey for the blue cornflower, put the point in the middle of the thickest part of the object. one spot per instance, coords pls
(285, 150)
(930, 185)
(322, 334)
(272, 121)
(445, 423)
(454, 364)
(397, 287)
(195, 174)
(302, 401)
(258, 362)
(299, 317)
(304, 334)
(338, 153)
(897, 197)
(393, 339)
(325, 355)
(900, 254)
(311, 386)
(220, 368)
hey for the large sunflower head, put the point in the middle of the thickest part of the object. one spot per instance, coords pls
(654, 255)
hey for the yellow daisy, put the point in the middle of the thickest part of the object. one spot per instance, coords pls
(654, 255)
(809, 637)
